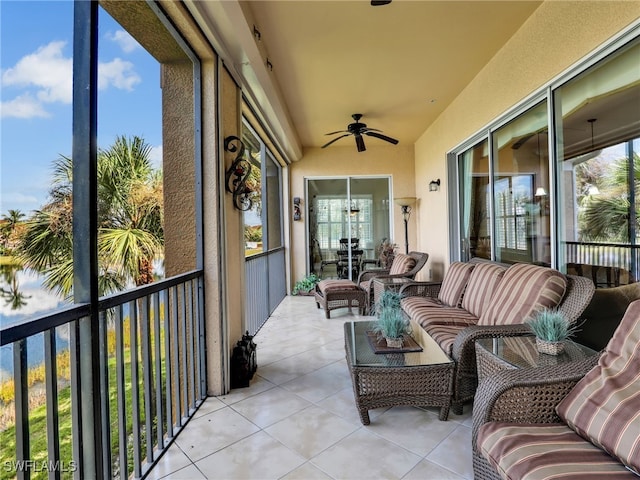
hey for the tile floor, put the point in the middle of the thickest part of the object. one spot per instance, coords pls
(298, 420)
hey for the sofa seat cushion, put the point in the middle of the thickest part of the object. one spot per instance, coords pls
(545, 451)
(443, 316)
(604, 407)
(445, 335)
(402, 264)
(523, 290)
(415, 303)
(483, 282)
(454, 283)
(333, 285)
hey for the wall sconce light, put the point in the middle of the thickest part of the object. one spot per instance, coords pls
(237, 175)
(434, 185)
(297, 214)
(405, 207)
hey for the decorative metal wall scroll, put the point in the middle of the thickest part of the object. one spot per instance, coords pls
(237, 174)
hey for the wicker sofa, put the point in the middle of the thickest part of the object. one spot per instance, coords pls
(486, 299)
(572, 421)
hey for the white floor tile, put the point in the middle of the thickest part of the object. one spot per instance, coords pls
(298, 419)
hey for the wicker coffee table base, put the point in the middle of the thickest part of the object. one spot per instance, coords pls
(417, 385)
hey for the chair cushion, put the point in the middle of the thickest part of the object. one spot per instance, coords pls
(415, 303)
(402, 264)
(332, 285)
(545, 451)
(523, 290)
(482, 284)
(454, 283)
(445, 335)
(604, 407)
(443, 316)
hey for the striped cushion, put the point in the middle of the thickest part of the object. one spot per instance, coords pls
(545, 451)
(604, 406)
(445, 335)
(482, 284)
(413, 304)
(523, 290)
(443, 316)
(402, 264)
(326, 285)
(454, 283)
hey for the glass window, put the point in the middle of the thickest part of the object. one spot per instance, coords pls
(598, 131)
(475, 203)
(263, 221)
(521, 188)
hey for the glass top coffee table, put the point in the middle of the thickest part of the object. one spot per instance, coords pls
(423, 378)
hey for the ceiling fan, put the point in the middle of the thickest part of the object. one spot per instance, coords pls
(358, 129)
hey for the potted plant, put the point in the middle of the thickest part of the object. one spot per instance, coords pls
(306, 285)
(390, 322)
(387, 253)
(551, 329)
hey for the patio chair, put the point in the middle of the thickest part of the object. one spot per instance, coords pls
(574, 420)
(403, 266)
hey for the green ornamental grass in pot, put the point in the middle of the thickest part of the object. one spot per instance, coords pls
(391, 323)
(551, 329)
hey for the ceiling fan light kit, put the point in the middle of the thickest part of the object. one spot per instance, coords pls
(358, 129)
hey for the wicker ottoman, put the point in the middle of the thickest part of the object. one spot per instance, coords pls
(332, 294)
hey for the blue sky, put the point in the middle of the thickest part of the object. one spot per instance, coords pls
(36, 88)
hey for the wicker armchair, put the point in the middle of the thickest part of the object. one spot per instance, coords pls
(522, 396)
(365, 278)
(578, 294)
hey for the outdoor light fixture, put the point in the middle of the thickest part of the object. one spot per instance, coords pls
(405, 207)
(297, 214)
(237, 175)
(434, 185)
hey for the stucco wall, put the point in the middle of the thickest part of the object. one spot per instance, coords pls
(396, 161)
(553, 39)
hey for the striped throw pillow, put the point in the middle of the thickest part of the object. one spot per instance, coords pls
(482, 284)
(524, 290)
(604, 407)
(402, 264)
(454, 283)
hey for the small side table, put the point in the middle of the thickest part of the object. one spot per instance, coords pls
(495, 354)
(379, 285)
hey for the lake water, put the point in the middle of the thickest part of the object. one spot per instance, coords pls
(35, 301)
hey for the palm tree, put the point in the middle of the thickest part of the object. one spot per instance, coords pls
(130, 221)
(10, 222)
(605, 217)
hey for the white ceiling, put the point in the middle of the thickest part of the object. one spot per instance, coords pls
(399, 65)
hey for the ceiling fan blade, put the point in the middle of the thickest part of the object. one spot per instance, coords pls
(335, 139)
(370, 130)
(382, 137)
(377, 3)
(360, 143)
(337, 131)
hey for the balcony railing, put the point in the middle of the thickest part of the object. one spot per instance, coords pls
(265, 281)
(152, 379)
(609, 263)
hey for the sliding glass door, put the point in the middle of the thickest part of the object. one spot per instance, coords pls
(348, 219)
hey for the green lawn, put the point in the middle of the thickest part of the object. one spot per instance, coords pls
(38, 425)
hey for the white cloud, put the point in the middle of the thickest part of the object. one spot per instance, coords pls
(47, 70)
(118, 73)
(23, 106)
(125, 41)
(46, 76)
(156, 157)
